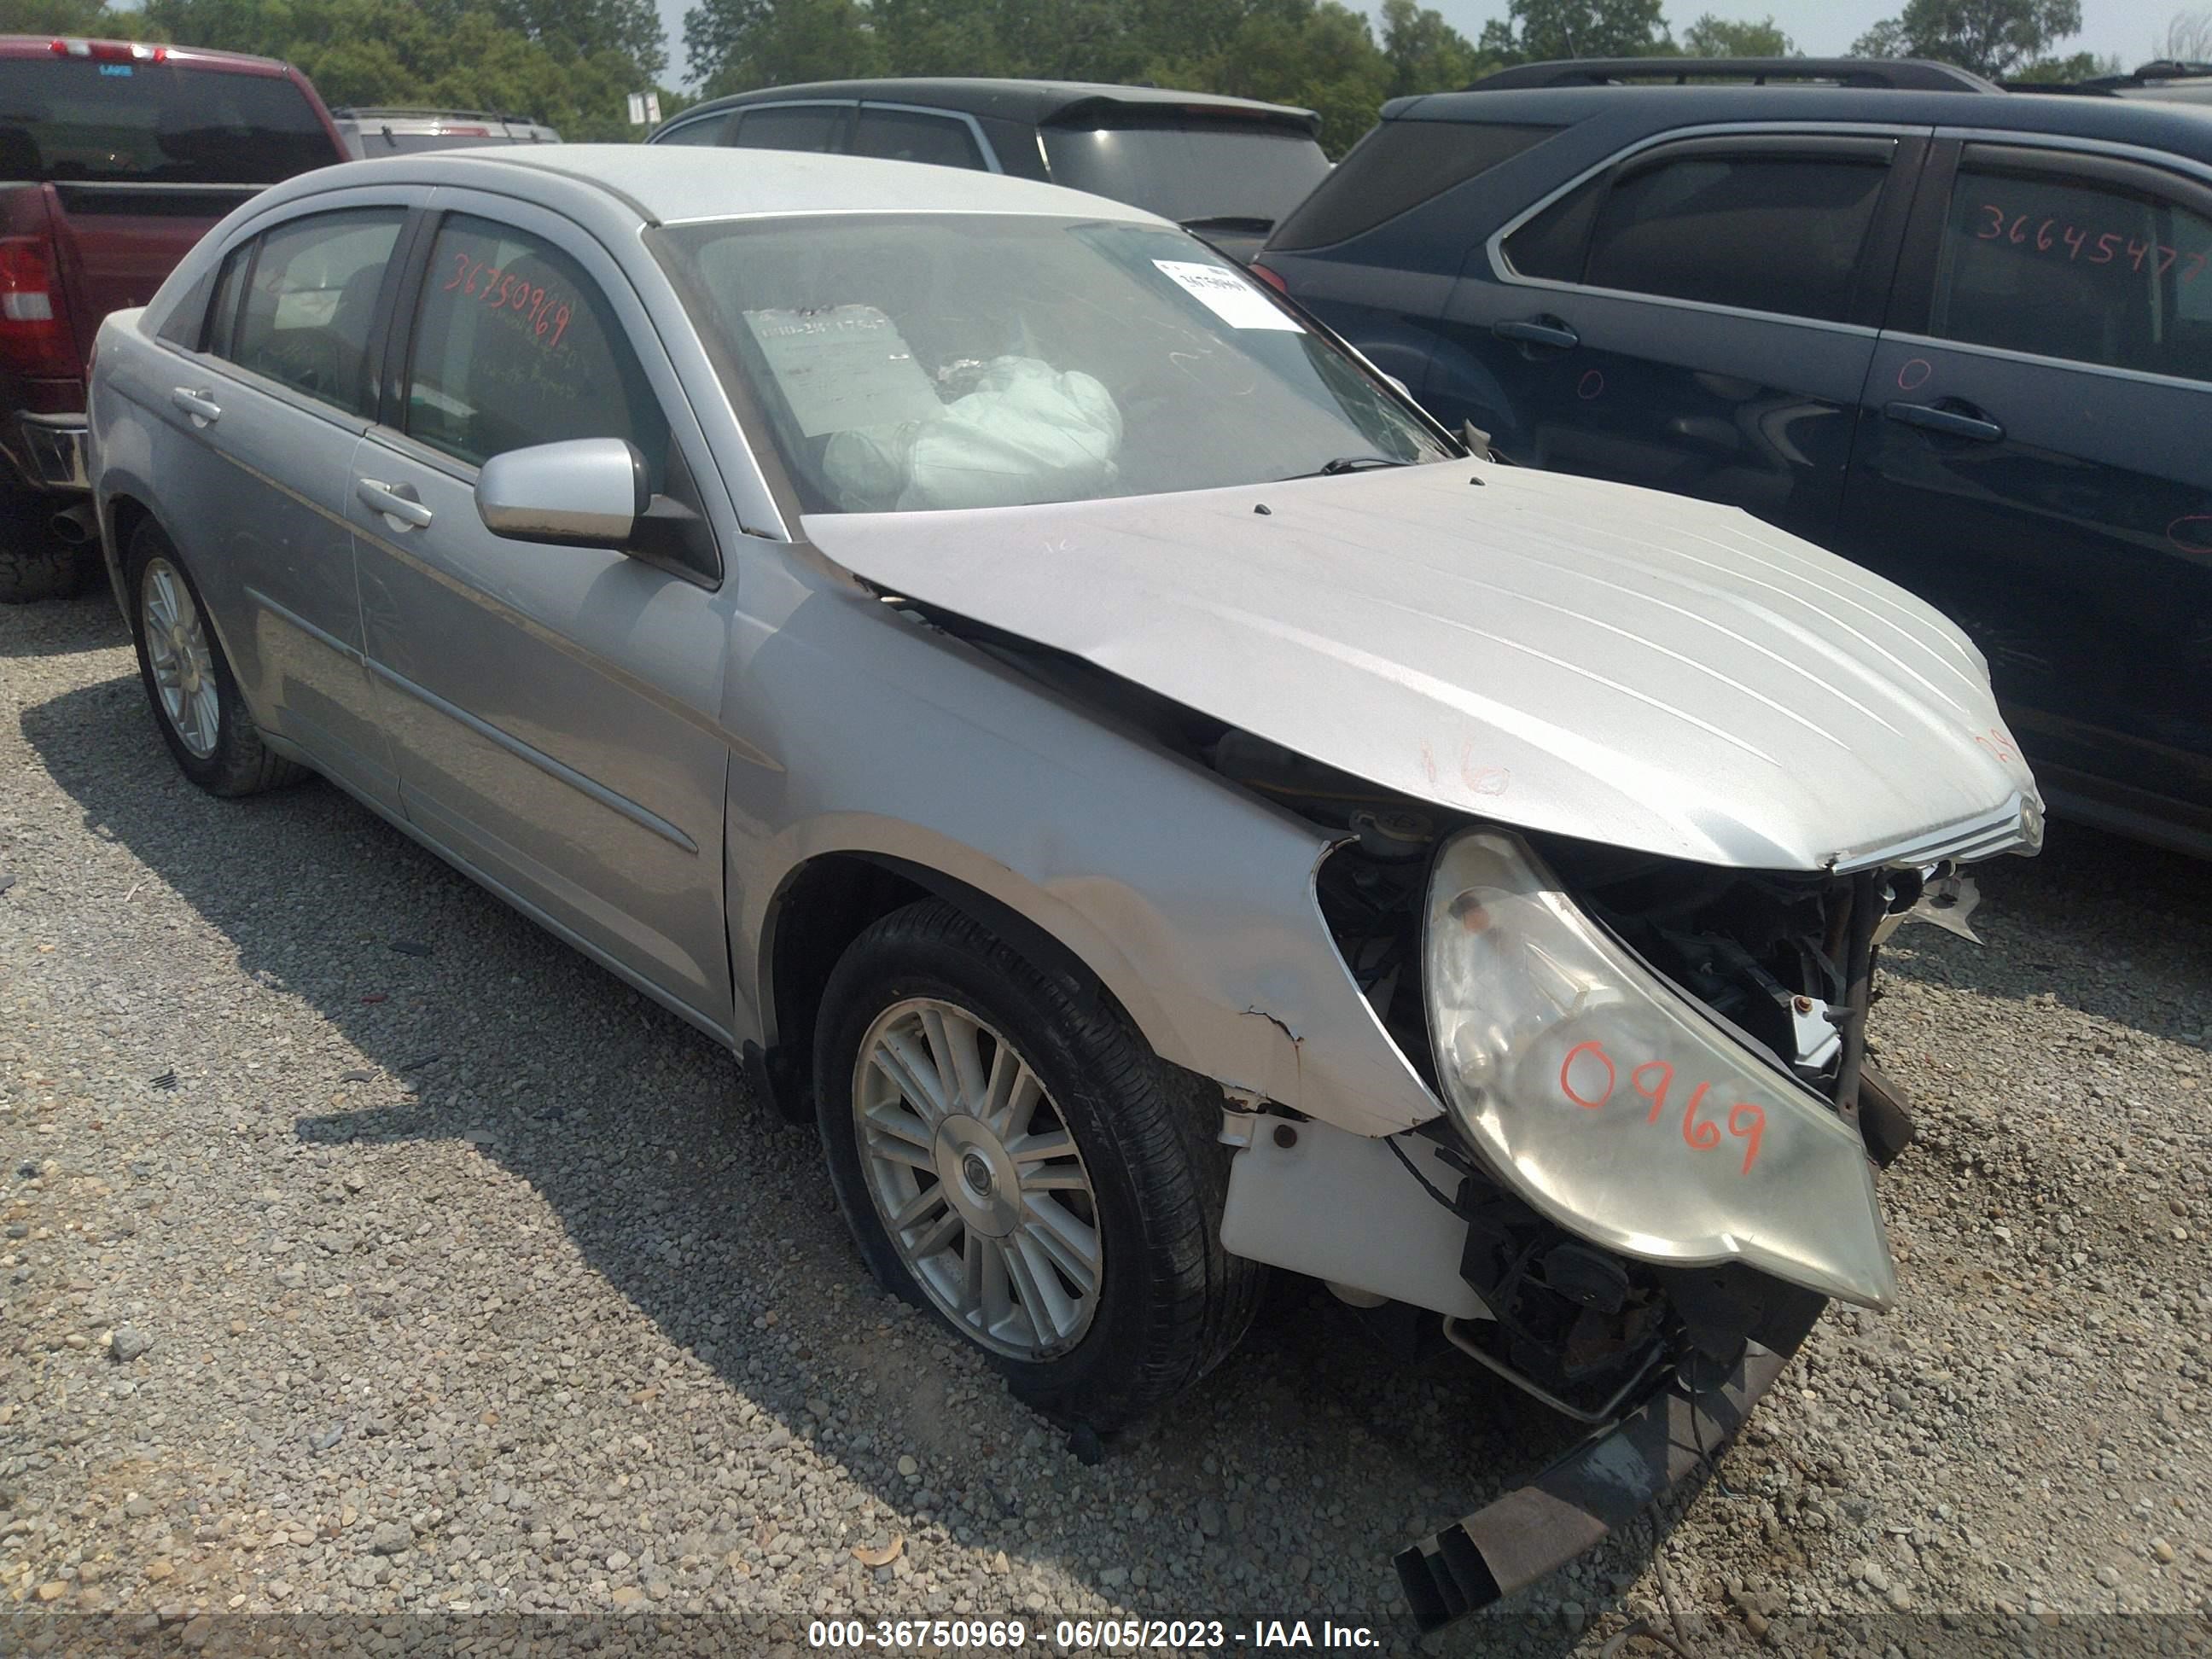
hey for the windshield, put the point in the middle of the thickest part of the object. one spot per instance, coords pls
(910, 363)
(1187, 172)
(65, 119)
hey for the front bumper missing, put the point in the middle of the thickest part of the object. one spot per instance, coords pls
(1604, 1483)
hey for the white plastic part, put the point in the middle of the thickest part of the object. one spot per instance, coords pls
(1616, 1107)
(1340, 1207)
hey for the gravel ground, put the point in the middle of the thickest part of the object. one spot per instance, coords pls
(366, 1251)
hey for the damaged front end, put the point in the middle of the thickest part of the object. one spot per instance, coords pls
(1656, 1164)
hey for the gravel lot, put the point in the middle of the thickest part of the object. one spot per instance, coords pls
(367, 1250)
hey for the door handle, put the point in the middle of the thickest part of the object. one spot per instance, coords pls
(201, 408)
(1538, 332)
(1954, 422)
(397, 502)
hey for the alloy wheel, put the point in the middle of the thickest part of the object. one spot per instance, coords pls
(977, 1180)
(177, 649)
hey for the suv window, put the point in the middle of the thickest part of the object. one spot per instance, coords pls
(515, 345)
(1756, 230)
(707, 129)
(1397, 166)
(905, 135)
(795, 126)
(2059, 265)
(310, 289)
(65, 119)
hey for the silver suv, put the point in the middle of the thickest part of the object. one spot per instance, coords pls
(371, 133)
(1161, 807)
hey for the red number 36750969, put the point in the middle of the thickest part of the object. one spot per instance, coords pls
(1591, 1084)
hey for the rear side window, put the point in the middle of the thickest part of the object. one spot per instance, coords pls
(68, 119)
(309, 299)
(905, 135)
(515, 345)
(1399, 166)
(799, 126)
(1758, 232)
(2082, 268)
(708, 130)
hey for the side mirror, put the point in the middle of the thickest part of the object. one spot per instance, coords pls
(586, 492)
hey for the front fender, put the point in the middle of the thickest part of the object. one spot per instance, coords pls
(1191, 902)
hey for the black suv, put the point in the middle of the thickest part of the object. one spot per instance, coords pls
(1224, 167)
(1961, 336)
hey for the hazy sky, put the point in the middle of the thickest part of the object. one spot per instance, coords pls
(2125, 28)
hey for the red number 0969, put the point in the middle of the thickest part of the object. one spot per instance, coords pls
(1651, 1082)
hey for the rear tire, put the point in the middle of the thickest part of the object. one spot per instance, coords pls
(1133, 1175)
(195, 702)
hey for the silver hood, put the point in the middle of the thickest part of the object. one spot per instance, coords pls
(1634, 668)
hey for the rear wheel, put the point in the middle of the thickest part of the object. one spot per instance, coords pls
(196, 701)
(1018, 1162)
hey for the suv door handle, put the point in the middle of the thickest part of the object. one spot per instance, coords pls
(1963, 422)
(201, 408)
(1538, 332)
(401, 508)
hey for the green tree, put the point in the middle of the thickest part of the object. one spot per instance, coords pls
(1995, 38)
(1425, 53)
(1724, 37)
(736, 44)
(80, 17)
(1541, 29)
(2078, 66)
(583, 28)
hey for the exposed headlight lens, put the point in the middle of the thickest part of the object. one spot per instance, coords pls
(1617, 1108)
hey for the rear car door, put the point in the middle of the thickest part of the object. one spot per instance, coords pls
(2032, 457)
(1695, 316)
(553, 708)
(270, 386)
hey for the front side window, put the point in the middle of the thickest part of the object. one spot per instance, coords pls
(907, 135)
(914, 362)
(1757, 230)
(515, 345)
(796, 126)
(2089, 269)
(309, 301)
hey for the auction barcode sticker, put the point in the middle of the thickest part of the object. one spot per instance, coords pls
(1229, 296)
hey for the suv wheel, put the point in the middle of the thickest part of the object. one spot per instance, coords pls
(1018, 1162)
(195, 699)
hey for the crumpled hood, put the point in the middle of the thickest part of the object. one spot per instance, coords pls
(1592, 660)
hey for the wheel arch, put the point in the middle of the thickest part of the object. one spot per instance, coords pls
(821, 906)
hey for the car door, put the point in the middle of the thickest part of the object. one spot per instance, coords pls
(2032, 457)
(270, 390)
(1694, 316)
(553, 709)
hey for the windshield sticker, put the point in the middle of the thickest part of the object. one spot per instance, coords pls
(1227, 295)
(843, 366)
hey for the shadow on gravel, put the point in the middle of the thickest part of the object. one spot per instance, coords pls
(705, 1214)
(2111, 928)
(62, 628)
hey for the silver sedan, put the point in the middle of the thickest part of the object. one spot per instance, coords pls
(1165, 809)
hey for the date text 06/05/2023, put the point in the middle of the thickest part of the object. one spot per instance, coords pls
(1085, 1635)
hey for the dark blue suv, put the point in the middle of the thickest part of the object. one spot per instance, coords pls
(1959, 335)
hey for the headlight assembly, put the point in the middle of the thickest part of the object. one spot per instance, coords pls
(1618, 1109)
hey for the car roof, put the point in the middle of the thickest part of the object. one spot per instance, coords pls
(192, 57)
(676, 184)
(1042, 102)
(2180, 128)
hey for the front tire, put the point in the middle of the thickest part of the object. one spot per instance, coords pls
(196, 701)
(1013, 1157)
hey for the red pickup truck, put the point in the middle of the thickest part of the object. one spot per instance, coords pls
(115, 157)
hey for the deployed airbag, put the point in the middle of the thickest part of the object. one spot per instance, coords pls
(1027, 433)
